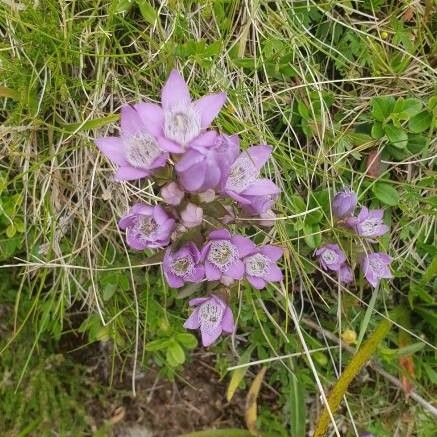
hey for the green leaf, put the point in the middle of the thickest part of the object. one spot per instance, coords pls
(108, 291)
(157, 345)
(186, 339)
(377, 131)
(386, 193)
(382, 107)
(420, 122)
(90, 124)
(176, 352)
(407, 108)
(312, 235)
(297, 407)
(122, 6)
(147, 11)
(416, 143)
(396, 135)
(225, 432)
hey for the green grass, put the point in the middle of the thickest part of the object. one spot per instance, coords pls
(301, 76)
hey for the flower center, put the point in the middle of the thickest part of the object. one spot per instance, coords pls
(182, 124)
(182, 266)
(257, 265)
(145, 226)
(243, 173)
(222, 254)
(210, 315)
(369, 226)
(141, 150)
(329, 256)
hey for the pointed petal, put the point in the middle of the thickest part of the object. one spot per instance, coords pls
(175, 91)
(205, 139)
(236, 270)
(209, 337)
(257, 283)
(208, 107)
(228, 323)
(112, 148)
(152, 117)
(261, 187)
(130, 121)
(220, 234)
(245, 245)
(274, 275)
(212, 273)
(274, 252)
(259, 154)
(130, 174)
(169, 145)
(193, 321)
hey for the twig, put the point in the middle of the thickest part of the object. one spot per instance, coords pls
(395, 381)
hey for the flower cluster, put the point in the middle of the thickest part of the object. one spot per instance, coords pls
(205, 183)
(367, 224)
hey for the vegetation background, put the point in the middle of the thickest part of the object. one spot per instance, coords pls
(343, 90)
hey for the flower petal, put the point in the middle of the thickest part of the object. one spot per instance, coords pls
(112, 148)
(173, 280)
(175, 91)
(169, 145)
(220, 234)
(193, 321)
(205, 139)
(257, 283)
(209, 337)
(197, 301)
(130, 121)
(259, 154)
(212, 273)
(245, 245)
(228, 323)
(190, 158)
(208, 107)
(130, 174)
(261, 187)
(236, 270)
(152, 117)
(274, 275)
(273, 252)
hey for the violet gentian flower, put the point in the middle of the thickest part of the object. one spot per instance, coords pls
(256, 195)
(198, 170)
(331, 257)
(260, 265)
(138, 151)
(222, 255)
(369, 223)
(376, 266)
(212, 316)
(172, 194)
(183, 265)
(344, 203)
(180, 119)
(147, 227)
(345, 274)
(192, 215)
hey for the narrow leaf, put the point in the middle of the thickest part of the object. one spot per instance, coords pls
(297, 407)
(251, 402)
(238, 374)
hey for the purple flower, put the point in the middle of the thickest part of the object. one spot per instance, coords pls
(138, 150)
(369, 223)
(222, 255)
(183, 265)
(192, 215)
(260, 265)
(172, 194)
(198, 170)
(212, 316)
(345, 274)
(147, 227)
(331, 257)
(180, 120)
(376, 266)
(255, 195)
(344, 203)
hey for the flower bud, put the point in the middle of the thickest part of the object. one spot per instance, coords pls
(192, 215)
(207, 196)
(344, 203)
(172, 194)
(268, 218)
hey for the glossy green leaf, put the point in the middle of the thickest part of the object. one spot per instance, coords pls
(382, 107)
(396, 135)
(386, 193)
(420, 122)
